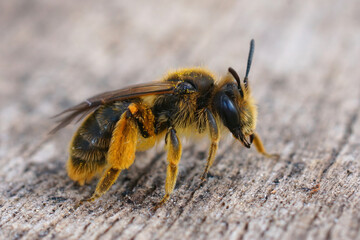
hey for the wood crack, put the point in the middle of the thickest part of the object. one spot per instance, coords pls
(182, 209)
(110, 226)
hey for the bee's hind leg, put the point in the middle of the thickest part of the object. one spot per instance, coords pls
(121, 152)
(108, 178)
(214, 136)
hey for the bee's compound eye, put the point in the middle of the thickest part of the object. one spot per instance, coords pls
(227, 111)
(185, 87)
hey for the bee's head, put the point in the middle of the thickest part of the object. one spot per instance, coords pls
(235, 106)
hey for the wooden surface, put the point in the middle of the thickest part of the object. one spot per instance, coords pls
(305, 77)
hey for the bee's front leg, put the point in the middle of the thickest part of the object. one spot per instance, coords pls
(173, 146)
(261, 149)
(214, 136)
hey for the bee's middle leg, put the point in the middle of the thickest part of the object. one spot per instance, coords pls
(214, 136)
(173, 145)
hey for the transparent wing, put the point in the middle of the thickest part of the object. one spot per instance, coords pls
(91, 104)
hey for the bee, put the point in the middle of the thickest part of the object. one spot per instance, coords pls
(186, 102)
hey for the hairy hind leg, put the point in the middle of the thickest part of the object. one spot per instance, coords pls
(121, 152)
(106, 181)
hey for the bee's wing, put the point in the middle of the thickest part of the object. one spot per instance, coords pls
(81, 110)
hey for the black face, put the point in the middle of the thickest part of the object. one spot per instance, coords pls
(229, 112)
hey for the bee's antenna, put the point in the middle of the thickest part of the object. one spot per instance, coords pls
(237, 78)
(251, 53)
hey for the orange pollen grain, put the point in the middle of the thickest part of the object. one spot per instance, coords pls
(133, 109)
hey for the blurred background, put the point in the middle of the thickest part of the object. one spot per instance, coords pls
(56, 53)
(305, 78)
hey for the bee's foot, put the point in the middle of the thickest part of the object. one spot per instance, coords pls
(274, 156)
(157, 206)
(78, 204)
(91, 199)
(161, 203)
(203, 177)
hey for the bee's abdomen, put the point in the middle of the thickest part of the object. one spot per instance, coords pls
(91, 142)
(88, 149)
(86, 155)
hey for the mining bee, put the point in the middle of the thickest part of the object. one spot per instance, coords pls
(186, 102)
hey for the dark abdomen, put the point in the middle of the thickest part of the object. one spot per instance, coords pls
(91, 142)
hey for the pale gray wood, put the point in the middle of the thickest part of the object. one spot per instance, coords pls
(305, 77)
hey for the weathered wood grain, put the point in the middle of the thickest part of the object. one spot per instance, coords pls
(305, 77)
